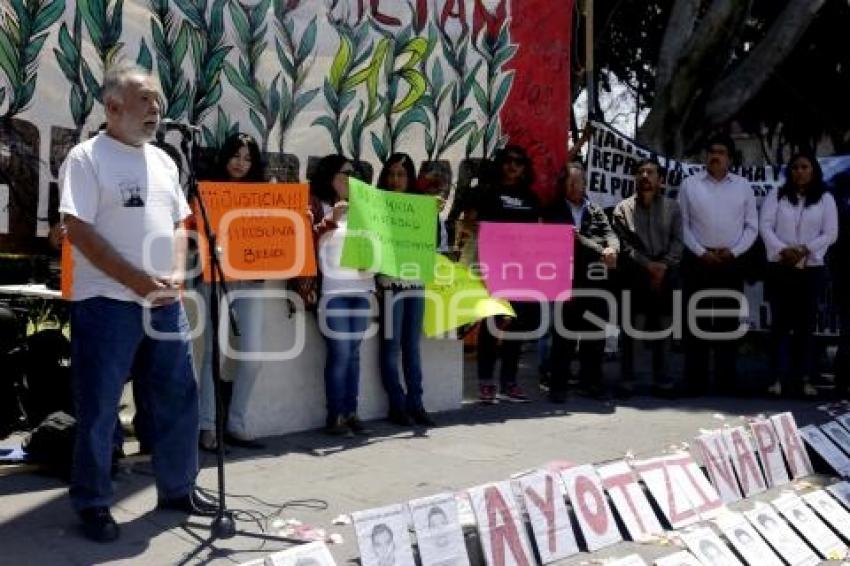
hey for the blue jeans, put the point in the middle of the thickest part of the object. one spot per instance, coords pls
(249, 319)
(343, 333)
(108, 343)
(402, 312)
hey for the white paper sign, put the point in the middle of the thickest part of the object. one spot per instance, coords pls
(679, 488)
(744, 538)
(311, 554)
(630, 560)
(830, 511)
(770, 452)
(630, 501)
(744, 459)
(844, 420)
(708, 547)
(681, 558)
(541, 495)
(439, 535)
(500, 526)
(841, 491)
(780, 536)
(792, 445)
(810, 526)
(838, 434)
(821, 444)
(715, 457)
(587, 497)
(382, 536)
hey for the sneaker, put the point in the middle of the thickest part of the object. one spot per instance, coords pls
(356, 425)
(514, 394)
(487, 393)
(99, 525)
(195, 503)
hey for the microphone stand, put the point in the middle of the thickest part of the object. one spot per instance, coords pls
(223, 525)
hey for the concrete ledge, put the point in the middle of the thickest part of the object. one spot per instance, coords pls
(289, 395)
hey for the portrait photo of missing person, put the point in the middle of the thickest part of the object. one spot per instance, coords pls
(383, 545)
(437, 523)
(743, 537)
(712, 554)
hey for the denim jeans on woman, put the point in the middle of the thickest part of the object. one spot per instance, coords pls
(344, 319)
(402, 313)
(109, 342)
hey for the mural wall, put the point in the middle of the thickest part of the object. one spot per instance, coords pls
(448, 81)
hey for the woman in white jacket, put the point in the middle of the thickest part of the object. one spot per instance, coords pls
(798, 223)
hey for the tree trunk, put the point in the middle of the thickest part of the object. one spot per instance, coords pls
(679, 30)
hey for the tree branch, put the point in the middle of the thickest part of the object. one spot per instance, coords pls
(679, 30)
(748, 78)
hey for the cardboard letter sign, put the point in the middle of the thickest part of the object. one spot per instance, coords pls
(500, 526)
(630, 501)
(740, 446)
(717, 463)
(821, 444)
(841, 491)
(792, 445)
(588, 500)
(837, 434)
(547, 512)
(770, 453)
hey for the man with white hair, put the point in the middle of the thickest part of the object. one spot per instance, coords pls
(123, 205)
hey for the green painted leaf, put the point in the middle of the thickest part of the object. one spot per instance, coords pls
(8, 58)
(242, 86)
(418, 86)
(67, 69)
(66, 45)
(159, 42)
(503, 39)
(26, 92)
(502, 92)
(429, 143)
(258, 15)
(341, 62)
(412, 116)
(91, 83)
(259, 125)
(181, 45)
(240, 22)
(47, 16)
(480, 96)
(178, 107)
(76, 105)
(222, 123)
(274, 100)
(327, 123)
(504, 55)
(283, 57)
(379, 147)
(303, 99)
(416, 49)
(458, 135)
(193, 15)
(94, 26)
(346, 98)
(209, 138)
(459, 117)
(330, 94)
(443, 95)
(217, 21)
(196, 39)
(308, 41)
(144, 59)
(215, 62)
(437, 77)
(490, 135)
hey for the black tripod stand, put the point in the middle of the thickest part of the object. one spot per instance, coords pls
(223, 525)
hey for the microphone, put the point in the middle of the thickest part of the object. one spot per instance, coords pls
(168, 123)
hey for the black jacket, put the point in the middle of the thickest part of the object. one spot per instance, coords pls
(592, 237)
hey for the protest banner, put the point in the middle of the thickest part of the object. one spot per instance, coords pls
(500, 526)
(629, 500)
(439, 536)
(744, 459)
(540, 493)
(792, 446)
(781, 537)
(770, 452)
(456, 297)
(262, 230)
(526, 261)
(390, 233)
(804, 520)
(612, 156)
(717, 461)
(587, 497)
(382, 536)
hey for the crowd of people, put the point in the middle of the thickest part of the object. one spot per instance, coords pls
(118, 190)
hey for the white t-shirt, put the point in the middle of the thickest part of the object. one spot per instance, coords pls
(132, 198)
(336, 279)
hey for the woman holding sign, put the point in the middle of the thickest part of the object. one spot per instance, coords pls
(402, 312)
(346, 304)
(507, 198)
(798, 223)
(238, 160)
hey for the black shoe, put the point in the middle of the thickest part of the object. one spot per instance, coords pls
(98, 524)
(557, 396)
(338, 426)
(231, 440)
(193, 503)
(399, 417)
(356, 425)
(421, 417)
